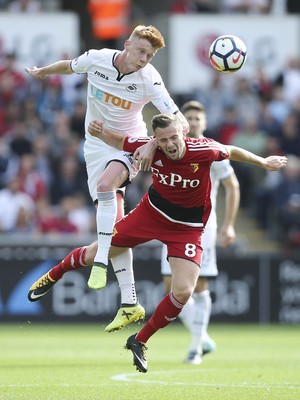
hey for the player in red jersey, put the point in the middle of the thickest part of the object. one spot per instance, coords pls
(174, 210)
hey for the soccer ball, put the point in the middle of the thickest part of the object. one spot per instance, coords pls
(227, 53)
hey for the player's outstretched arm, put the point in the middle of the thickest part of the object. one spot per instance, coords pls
(110, 137)
(271, 163)
(62, 67)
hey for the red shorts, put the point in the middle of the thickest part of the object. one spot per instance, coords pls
(144, 223)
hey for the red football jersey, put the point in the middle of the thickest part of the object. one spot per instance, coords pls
(181, 189)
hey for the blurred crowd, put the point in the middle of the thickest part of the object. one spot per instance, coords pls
(43, 185)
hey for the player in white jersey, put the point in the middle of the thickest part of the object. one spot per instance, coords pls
(196, 313)
(120, 84)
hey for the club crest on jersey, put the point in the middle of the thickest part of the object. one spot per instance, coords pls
(194, 167)
(132, 87)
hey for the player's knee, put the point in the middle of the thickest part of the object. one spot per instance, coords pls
(182, 294)
(105, 186)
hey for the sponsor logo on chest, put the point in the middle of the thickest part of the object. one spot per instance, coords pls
(175, 180)
(108, 98)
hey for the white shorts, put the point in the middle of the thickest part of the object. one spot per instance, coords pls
(209, 260)
(97, 156)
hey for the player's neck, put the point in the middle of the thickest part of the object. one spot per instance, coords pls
(121, 64)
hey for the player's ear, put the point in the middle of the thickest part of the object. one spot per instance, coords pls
(126, 44)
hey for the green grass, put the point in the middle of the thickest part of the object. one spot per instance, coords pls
(45, 362)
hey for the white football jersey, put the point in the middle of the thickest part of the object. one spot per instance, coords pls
(118, 99)
(219, 170)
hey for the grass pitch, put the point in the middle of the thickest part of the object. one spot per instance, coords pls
(70, 362)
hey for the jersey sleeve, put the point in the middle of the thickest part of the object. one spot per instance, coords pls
(81, 64)
(219, 151)
(132, 143)
(158, 94)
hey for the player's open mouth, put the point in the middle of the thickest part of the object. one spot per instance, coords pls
(172, 153)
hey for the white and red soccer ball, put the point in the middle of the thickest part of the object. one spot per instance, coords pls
(227, 53)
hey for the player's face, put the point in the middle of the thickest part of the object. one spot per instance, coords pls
(197, 122)
(139, 52)
(171, 141)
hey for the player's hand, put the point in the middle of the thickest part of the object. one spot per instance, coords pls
(35, 72)
(144, 155)
(95, 128)
(273, 163)
(227, 236)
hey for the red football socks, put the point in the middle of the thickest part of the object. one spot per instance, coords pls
(71, 262)
(166, 312)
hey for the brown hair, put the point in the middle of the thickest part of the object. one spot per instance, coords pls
(151, 34)
(192, 105)
(164, 120)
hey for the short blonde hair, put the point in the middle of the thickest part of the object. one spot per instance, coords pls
(151, 34)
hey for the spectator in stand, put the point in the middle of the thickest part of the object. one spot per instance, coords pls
(67, 181)
(30, 117)
(50, 101)
(24, 6)
(77, 119)
(252, 139)
(43, 158)
(12, 82)
(278, 107)
(246, 100)
(53, 220)
(289, 79)
(289, 135)
(30, 180)
(9, 162)
(229, 126)
(215, 98)
(20, 144)
(16, 208)
(12, 117)
(286, 200)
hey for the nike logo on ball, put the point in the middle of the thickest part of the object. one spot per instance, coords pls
(236, 60)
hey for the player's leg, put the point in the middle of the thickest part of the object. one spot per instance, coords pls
(200, 313)
(201, 317)
(77, 258)
(184, 278)
(130, 309)
(115, 174)
(187, 311)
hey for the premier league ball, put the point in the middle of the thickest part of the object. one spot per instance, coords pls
(227, 54)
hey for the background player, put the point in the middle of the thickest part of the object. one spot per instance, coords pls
(196, 313)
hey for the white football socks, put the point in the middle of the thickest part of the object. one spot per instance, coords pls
(200, 319)
(122, 265)
(105, 220)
